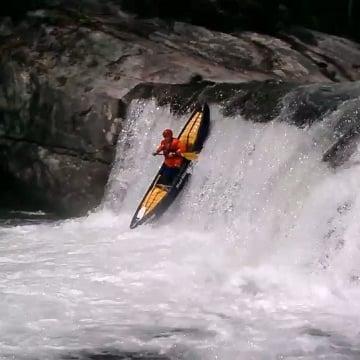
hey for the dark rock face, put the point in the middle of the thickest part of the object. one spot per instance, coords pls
(69, 185)
(66, 77)
(57, 136)
(259, 101)
(263, 101)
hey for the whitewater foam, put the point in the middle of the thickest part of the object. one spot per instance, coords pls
(256, 259)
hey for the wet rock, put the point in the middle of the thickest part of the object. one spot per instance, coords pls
(69, 184)
(337, 58)
(259, 101)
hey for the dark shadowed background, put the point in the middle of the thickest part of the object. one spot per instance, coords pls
(332, 16)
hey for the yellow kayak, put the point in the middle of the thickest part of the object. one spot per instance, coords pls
(159, 196)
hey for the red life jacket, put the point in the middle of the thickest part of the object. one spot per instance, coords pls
(171, 148)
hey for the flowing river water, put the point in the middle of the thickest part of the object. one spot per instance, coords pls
(258, 257)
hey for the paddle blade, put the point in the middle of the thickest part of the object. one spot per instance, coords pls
(190, 155)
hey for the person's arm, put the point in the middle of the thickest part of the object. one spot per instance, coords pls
(159, 148)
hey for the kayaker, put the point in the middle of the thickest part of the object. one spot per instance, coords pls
(172, 149)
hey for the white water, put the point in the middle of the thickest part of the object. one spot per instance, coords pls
(257, 259)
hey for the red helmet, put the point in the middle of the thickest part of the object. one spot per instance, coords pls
(167, 133)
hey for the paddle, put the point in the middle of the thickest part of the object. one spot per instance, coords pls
(190, 155)
(187, 155)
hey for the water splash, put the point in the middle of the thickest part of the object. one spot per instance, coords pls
(256, 259)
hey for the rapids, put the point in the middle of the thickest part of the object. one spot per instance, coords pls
(258, 257)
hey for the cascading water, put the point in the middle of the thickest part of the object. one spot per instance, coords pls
(256, 259)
